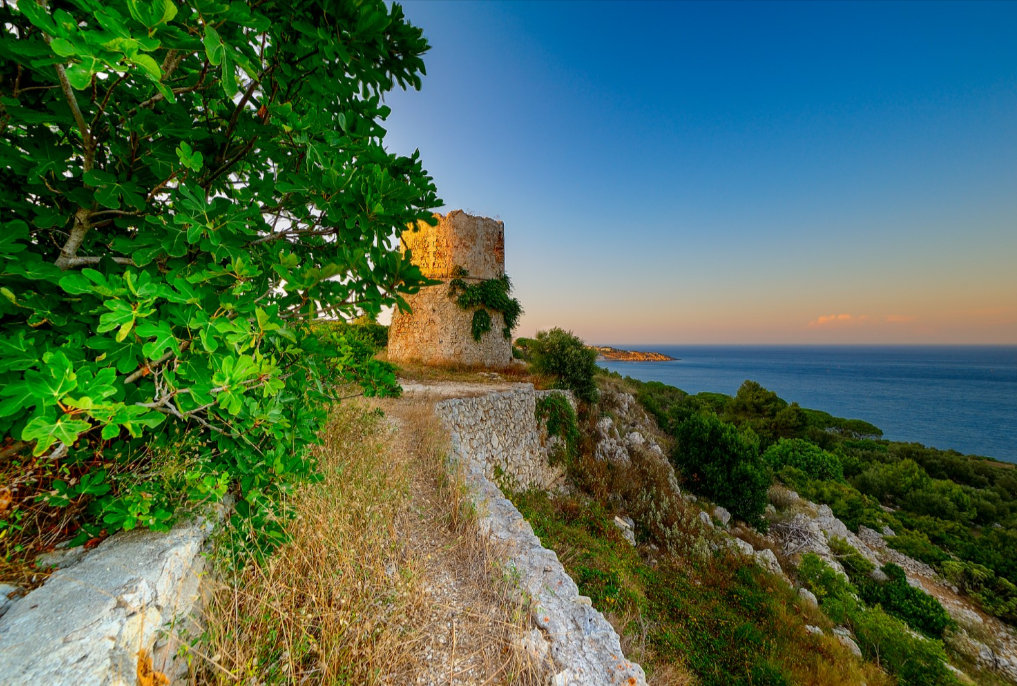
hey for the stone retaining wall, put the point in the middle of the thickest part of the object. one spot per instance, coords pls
(501, 430)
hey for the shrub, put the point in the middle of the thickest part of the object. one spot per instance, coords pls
(815, 462)
(720, 463)
(917, 545)
(822, 579)
(555, 413)
(914, 606)
(914, 661)
(182, 189)
(561, 354)
(858, 568)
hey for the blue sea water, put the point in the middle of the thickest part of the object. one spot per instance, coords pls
(959, 397)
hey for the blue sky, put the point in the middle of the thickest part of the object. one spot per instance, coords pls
(673, 172)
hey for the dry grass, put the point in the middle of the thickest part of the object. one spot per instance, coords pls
(421, 373)
(383, 580)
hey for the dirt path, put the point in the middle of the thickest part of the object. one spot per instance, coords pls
(471, 631)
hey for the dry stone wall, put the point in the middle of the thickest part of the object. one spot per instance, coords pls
(438, 331)
(501, 430)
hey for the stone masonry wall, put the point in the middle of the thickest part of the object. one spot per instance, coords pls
(501, 429)
(438, 331)
(500, 432)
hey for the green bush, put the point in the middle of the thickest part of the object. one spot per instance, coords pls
(881, 637)
(815, 462)
(914, 606)
(183, 187)
(858, 568)
(561, 354)
(914, 661)
(917, 545)
(555, 413)
(718, 461)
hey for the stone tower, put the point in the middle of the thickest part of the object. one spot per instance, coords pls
(438, 331)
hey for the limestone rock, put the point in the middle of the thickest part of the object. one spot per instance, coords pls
(705, 519)
(813, 630)
(584, 648)
(86, 624)
(722, 515)
(845, 638)
(808, 596)
(768, 561)
(6, 601)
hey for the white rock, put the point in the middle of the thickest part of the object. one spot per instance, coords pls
(722, 515)
(813, 630)
(808, 596)
(705, 519)
(743, 547)
(768, 561)
(850, 644)
(86, 624)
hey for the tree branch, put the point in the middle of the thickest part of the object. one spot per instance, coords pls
(74, 241)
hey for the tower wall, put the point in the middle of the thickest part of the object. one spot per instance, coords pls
(438, 331)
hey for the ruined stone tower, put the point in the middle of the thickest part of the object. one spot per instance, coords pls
(438, 331)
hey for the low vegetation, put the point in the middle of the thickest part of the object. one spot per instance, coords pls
(957, 513)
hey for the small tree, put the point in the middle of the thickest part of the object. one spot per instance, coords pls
(561, 354)
(806, 456)
(184, 185)
(720, 463)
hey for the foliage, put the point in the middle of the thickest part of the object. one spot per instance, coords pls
(724, 619)
(914, 606)
(917, 545)
(719, 462)
(185, 184)
(555, 413)
(815, 462)
(914, 661)
(858, 568)
(483, 297)
(770, 417)
(563, 355)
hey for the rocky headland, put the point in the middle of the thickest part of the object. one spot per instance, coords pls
(605, 352)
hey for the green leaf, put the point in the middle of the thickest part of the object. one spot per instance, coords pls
(63, 47)
(13, 232)
(189, 158)
(38, 16)
(214, 49)
(56, 379)
(149, 66)
(17, 353)
(163, 337)
(121, 315)
(47, 432)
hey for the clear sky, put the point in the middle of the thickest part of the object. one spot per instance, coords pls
(674, 172)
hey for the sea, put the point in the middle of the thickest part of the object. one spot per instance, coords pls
(949, 397)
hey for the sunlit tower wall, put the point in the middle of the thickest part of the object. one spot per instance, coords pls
(438, 331)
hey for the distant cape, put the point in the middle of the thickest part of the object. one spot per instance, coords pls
(605, 352)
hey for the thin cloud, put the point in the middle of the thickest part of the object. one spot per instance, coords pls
(828, 320)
